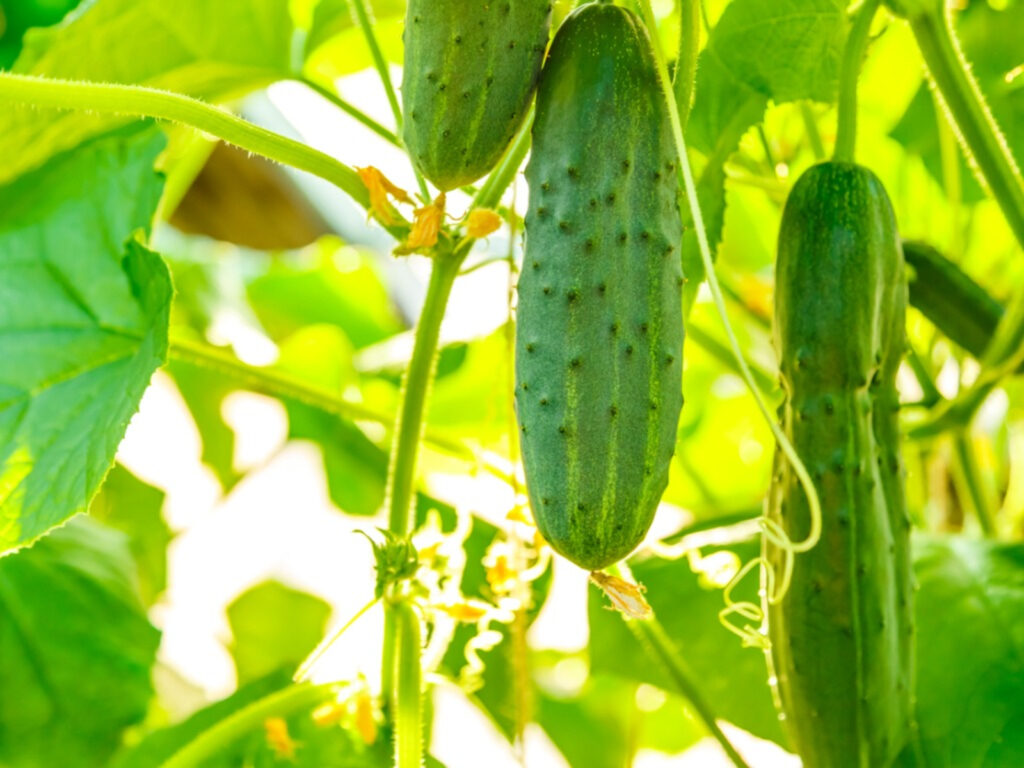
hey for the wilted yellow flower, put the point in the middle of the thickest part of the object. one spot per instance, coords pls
(426, 226)
(466, 611)
(379, 187)
(627, 598)
(481, 222)
(366, 717)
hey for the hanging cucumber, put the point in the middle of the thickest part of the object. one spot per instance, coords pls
(842, 636)
(600, 332)
(470, 69)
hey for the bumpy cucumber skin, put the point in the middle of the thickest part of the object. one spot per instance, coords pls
(842, 638)
(600, 328)
(471, 67)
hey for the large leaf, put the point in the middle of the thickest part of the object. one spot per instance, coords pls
(970, 615)
(83, 325)
(734, 679)
(75, 649)
(760, 50)
(274, 626)
(136, 509)
(209, 50)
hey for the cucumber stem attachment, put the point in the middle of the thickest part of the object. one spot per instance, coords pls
(853, 57)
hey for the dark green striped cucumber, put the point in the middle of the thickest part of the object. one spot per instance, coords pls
(470, 69)
(842, 638)
(958, 306)
(600, 328)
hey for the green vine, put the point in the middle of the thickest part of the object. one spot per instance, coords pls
(217, 738)
(774, 586)
(139, 101)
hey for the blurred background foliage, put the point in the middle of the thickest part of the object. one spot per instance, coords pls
(283, 272)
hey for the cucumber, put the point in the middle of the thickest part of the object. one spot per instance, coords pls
(471, 67)
(600, 331)
(842, 637)
(956, 305)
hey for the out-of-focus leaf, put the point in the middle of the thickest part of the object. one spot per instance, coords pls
(328, 283)
(75, 649)
(330, 746)
(990, 37)
(83, 325)
(734, 679)
(22, 15)
(607, 711)
(204, 392)
(970, 647)
(209, 50)
(135, 508)
(274, 626)
(760, 50)
(332, 17)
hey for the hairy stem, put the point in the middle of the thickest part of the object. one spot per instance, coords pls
(853, 57)
(408, 691)
(965, 104)
(218, 737)
(142, 102)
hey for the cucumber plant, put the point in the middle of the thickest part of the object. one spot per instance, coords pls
(583, 383)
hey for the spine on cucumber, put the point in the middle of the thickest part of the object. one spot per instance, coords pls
(842, 638)
(600, 332)
(471, 67)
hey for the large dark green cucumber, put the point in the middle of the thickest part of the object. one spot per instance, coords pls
(600, 332)
(470, 69)
(958, 306)
(842, 638)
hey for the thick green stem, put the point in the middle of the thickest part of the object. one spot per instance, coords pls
(217, 738)
(685, 76)
(653, 639)
(138, 101)
(853, 57)
(415, 390)
(408, 698)
(977, 129)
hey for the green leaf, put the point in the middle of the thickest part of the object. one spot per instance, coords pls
(328, 283)
(16, 18)
(135, 508)
(83, 325)
(209, 50)
(733, 679)
(332, 17)
(760, 50)
(970, 615)
(274, 626)
(204, 392)
(75, 649)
